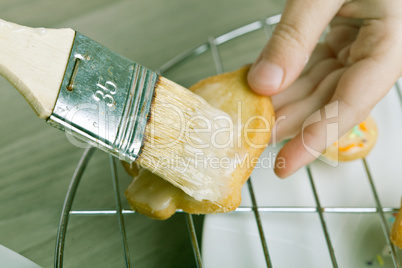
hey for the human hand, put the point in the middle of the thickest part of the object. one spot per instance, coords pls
(343, 80)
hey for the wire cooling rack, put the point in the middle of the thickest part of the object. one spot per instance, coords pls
(212, 45)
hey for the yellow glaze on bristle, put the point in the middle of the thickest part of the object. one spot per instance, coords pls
(175, 137)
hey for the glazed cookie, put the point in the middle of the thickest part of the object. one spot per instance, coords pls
(396, 231)
(355, 144)
(252, 120)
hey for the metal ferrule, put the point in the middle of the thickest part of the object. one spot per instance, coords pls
(104, 100)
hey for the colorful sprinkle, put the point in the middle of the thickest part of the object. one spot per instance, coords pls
(352, 135)
(380, 260)
(369, 263)
(347, 148)
(363, 126)
(357, 131)
(391, 219)
(361, 144)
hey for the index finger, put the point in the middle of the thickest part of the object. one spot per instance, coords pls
(291, 44)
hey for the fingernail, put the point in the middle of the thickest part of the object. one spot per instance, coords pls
(266, 77)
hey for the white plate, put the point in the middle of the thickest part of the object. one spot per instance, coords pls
(296, 239)
(11, 259)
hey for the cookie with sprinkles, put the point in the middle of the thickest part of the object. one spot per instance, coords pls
(355, 144)
(396, 231)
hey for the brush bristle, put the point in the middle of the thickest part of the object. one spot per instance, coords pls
(184, 135)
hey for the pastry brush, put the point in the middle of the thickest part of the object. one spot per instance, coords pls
(109, 101)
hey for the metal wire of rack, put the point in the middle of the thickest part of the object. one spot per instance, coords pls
(212, 44)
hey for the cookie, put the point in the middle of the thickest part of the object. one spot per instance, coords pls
(355, 144)
(396, 231)
(252, 120)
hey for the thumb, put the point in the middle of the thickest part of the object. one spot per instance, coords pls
(291, 44)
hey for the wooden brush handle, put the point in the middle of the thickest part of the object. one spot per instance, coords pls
(34, 60)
